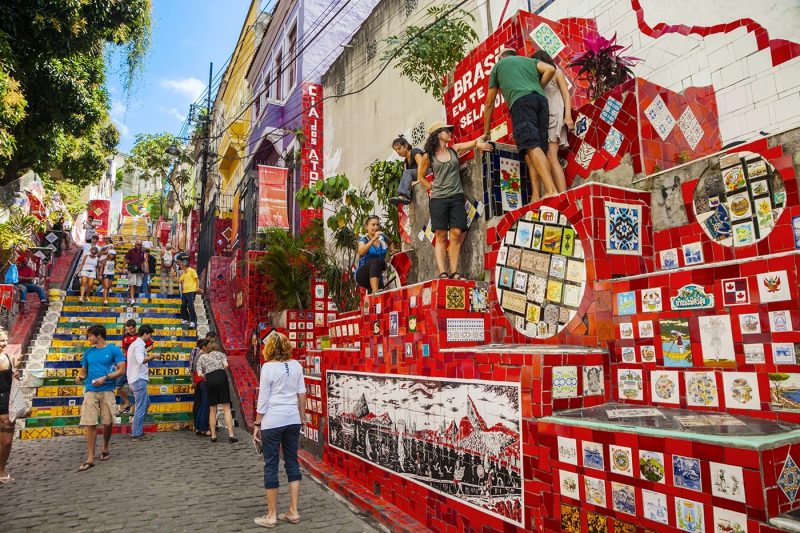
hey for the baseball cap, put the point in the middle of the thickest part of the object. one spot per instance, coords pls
(439, 125)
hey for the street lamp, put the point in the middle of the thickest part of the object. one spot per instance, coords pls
(173, 150)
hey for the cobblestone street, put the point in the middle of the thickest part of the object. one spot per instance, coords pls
(172, 482)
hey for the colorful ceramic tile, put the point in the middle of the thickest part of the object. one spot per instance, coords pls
(735, 291)
(741, 390)
(716, 339)
(514, 302)
(596, 523)
(551, 239)
(646, 329)
(754, 353)
(593, 456)
(693, 253)
(689, 515)
(744, 234)
(733, 178)
(783, 353)
(626, 330)
(784, 391)
(537, 288)
(570, 519)
(740, 206)
(455, 296)
(568, 242)
(651, 466)
(575, 271)
(726, 521)
(627, 354)
(510, 189)
(558, 266)
(547, 40)
(692, 296)
(664, 386)
(749, 323)
(524, 234)
(660, 117)
(479, 299)
(789, 478)
(796, 231)
(465, 329)
(567, 450)
(773, 287)
(514, 258)
(675, 344)
(780, 321)
(520, 281)
(554, 288)
(593, 381)
(654, 506)
(613, 141)
(686, 472)
(623, 498)
(626, 303)
(755, 169)
(582, 124)
(568, 482)
(668, 259)
(690, 127)
(528, 260)
(585, 154)
(611, 110)
(565, 381)
(651, 300)
(647, 353)
(621, 460)
(595, 491)
(541, 264)
(623, 229)
(727, 481)
(629, 381)
(538, 232)
(394, 324)
(571, 296)
(701, 389)
(426, 296)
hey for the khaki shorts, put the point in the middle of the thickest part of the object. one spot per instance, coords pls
(97, 405)
(135, 280)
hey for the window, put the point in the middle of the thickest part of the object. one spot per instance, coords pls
(268, 89)
(279, 76)
(258, 100)
(291, 41)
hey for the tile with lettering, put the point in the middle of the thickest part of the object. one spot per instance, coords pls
(567, 450)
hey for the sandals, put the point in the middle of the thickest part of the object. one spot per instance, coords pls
(85, 466)
(6, 479)
(264, 522)
(285, 516)
(456, 275)
(213, 439)
(233, 439)
(104, 456)
(444, 275)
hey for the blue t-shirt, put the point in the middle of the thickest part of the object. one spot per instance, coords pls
(375, 251)
(99, 362)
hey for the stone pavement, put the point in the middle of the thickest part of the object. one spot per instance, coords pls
(172, 482)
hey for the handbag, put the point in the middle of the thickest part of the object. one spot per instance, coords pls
(17, 406)
(135, 269)
(12, 275)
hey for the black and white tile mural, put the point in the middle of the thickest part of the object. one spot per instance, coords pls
(460, 438)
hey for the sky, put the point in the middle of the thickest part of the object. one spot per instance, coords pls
(187, 36)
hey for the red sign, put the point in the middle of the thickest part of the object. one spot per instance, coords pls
(272, 209)
(311, 152)
(99, 211)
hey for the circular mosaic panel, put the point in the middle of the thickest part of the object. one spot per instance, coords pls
(540, 274)
(741, 204)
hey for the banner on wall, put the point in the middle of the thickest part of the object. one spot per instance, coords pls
(311, 149)
(272, 207)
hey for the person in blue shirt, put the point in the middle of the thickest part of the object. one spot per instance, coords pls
(371, 249)
(101, 365)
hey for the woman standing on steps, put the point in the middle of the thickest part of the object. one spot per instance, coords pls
(8, 372)
(212, 365)
(279, 416)
(108, 267)
(88, 273)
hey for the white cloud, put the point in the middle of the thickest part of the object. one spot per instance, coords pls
(173, 113)
(124, 131)
(189, 87)
(118, 110)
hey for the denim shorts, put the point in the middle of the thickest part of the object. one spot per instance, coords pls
(122, 380)
(272, 440)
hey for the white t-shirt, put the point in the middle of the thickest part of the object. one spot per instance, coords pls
(137, 368)
(90, 264)
(281, 382)
(108, 269)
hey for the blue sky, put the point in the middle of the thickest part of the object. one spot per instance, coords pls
(187, 35)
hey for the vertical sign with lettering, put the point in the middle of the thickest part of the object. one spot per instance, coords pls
(311, 151)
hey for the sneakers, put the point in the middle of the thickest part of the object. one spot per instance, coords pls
(192, 325)
(400, 200)
(132, 301)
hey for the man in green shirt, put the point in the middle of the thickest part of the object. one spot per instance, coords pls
(521, 80)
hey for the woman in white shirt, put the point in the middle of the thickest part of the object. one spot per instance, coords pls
(279, 416)
(108, 269)
(88, 272)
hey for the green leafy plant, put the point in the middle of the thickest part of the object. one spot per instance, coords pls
(602, 65)
(55, 51)
(425, 55)
(18, 232)
(384, 178)
(287, 263)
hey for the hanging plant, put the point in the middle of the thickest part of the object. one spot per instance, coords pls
(602, 65)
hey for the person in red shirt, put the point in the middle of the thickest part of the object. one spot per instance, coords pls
(27, 276)
(128, 336)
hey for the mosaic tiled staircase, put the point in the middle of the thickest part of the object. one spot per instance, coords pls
(55, 356)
